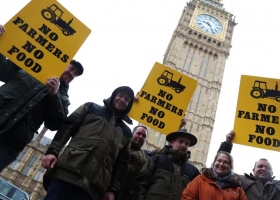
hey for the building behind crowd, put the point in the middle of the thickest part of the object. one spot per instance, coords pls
(194, 50)
(26, 171)
(199, 48)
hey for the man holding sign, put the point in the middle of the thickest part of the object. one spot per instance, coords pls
(259, 185)
(25, 103)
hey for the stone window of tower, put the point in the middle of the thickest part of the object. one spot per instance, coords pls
(20, 157)
(199, 36)
(38, 176)
(219, 44)
(190, 32)
(29, 165)
(209, 41)
(215, 57)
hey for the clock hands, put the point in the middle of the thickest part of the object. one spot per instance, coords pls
(209, 26)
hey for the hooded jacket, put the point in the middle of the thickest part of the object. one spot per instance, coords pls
(164, 177)
(98, 152)
(25, 104)
(206, 186)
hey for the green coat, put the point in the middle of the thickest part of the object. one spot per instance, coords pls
(98, 153)
(138, 157)
(164, 177)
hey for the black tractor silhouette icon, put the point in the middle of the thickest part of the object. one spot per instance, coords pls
(53, 14)
(166, 79)
(260, 91)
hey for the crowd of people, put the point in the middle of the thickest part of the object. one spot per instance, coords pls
(104, 159)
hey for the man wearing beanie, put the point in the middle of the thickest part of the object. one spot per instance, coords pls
(97, 154)
(164, 177)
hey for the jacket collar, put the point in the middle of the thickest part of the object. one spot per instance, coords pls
(177, 156)
(228, 181)
(135, 146)
(64, 87)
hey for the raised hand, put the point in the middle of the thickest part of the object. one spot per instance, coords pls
(2, 30)
(53, 84)
(230, 137)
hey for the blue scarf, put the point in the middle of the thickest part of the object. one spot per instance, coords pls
(221, 180)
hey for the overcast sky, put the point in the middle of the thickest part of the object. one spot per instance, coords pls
(128, 37)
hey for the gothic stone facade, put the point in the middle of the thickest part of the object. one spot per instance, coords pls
(197, 52)
(26, 171)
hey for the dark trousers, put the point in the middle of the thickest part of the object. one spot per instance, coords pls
(7, 156)
(61, 190)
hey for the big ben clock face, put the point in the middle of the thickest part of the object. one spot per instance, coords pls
(209, 24)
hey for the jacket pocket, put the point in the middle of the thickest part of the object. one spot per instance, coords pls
(4, 100)
(185, 181)
(75, 159)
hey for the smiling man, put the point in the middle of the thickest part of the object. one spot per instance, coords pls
(138, 157)
(261, 184)
(97, 154)
(166, 176)
(26, 103)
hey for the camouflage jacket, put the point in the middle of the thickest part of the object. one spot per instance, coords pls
(137, 159)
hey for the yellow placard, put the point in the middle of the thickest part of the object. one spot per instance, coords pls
(257, 114)
(42, 38)
(163, 99)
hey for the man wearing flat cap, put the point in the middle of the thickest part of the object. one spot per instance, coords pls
(26, 104)
(165, 176)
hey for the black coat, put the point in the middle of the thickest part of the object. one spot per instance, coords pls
(25, 102)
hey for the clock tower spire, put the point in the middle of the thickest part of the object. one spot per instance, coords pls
(199, 48)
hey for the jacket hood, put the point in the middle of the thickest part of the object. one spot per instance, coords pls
(110, 100)
(231, 180)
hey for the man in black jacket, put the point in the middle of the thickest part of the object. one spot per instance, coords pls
(25, 103)
(165, 176)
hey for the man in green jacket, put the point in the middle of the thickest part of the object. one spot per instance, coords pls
(138, 157)
(98, 153)
(261, 184)
(26, 103)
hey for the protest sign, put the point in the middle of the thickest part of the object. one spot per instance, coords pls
(163, 99)
(257, 114)
(42, 38)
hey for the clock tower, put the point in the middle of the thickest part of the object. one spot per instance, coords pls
(199, 48)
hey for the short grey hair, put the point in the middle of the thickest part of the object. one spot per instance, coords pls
(139, 126)
(263, 159)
